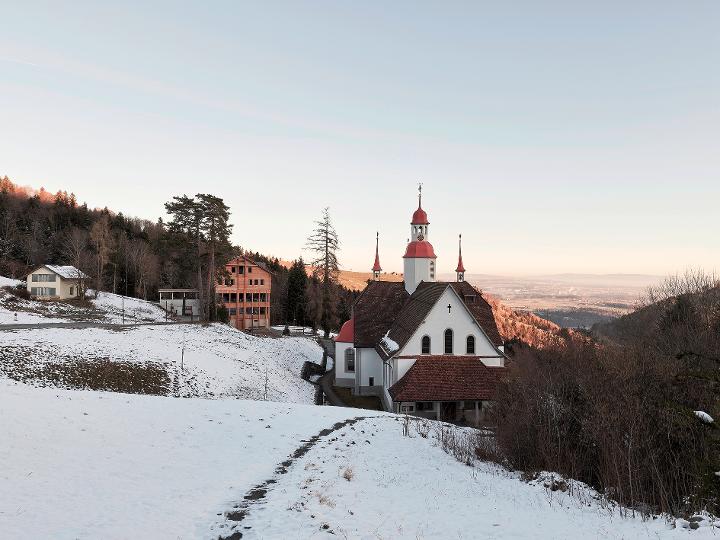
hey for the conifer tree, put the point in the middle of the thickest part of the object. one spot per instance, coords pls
(324, 243)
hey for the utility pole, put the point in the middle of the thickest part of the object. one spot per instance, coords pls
(266, 383)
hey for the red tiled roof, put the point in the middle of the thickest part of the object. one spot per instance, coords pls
(376, 267)
(347, 332)
(447, 378)
(460, 266)
(419, 249)
(420, 217)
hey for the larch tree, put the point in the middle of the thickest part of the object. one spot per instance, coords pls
(323, 242)
(102, 241)
(75, 250)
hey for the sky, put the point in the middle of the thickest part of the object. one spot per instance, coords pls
(555, 136)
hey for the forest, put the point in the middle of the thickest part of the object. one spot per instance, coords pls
(134, 257)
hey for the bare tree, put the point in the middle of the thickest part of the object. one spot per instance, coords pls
(102, 240)
(75, 249)
(324, 244)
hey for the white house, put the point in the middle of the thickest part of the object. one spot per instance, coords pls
(55, 282)
(424, 347)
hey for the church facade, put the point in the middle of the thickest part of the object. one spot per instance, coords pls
(424, 347)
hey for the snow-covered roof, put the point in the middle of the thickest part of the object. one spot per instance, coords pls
(67, 272)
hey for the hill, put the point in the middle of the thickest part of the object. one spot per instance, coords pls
(526, 327)
(93, 464)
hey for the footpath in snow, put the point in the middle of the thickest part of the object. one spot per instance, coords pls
(100, 465)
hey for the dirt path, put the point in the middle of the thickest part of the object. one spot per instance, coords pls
(257, 494)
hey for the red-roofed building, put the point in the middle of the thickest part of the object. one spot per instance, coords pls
(423, 347)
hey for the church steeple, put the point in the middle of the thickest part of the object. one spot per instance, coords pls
(376, 269)
(419, 258)
(460, 270)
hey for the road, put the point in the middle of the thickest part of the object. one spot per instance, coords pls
(83, 324)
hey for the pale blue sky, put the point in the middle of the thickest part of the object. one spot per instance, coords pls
(556, 136)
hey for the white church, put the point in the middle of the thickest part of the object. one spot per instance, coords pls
(424, 347)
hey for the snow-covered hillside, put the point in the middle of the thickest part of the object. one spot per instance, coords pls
(100, 465)
(206, 361)
(106, 308)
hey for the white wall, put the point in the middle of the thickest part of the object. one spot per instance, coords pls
(340, 372)
(401, 365)
(459, 320)
(371, 365)
(415, 271)
(61, 286)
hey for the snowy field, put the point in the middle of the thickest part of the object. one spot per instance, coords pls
(100, 465)
(200, 361)
(106, 308)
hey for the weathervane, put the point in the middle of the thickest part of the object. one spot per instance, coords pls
(419, 193)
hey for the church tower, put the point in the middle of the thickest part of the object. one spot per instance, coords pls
(419, 258)
(460, 270)
(376, 269)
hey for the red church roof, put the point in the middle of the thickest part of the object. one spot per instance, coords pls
(419, 217)
(419, 249)
(460, 266)
(447, 378)
(347, 332)
(376, 267)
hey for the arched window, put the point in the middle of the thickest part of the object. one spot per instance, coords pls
(350, 360)
(470, 348)
(426, 345)
(448, 341)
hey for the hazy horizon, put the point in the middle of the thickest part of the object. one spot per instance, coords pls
(556, 138)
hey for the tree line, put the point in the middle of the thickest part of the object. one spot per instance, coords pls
(136, 257)
(619, 411)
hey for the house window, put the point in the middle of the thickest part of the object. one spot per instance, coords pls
(470, 347)
(249, 269)
(448, 341)
(43, 278)
(407, 408)
(426, 345)
(232, 269)
(241, 269)
(232, 311)
(72, 291)
(262, 282)
(350, 360)
(371, 381)
(425, 406)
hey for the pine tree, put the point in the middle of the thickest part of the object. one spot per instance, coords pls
(187, 220)
(216, 228)
(324, 243)
(296, 303)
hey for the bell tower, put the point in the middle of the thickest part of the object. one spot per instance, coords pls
(419, 258)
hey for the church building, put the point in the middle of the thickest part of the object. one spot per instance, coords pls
(424, 347)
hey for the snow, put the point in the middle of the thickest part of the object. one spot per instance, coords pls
(135, 309)
(9, 282)
(101, 465)
(66, 272)
(705, 417)
(217, 360)
(388, 344)
(106, 308)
